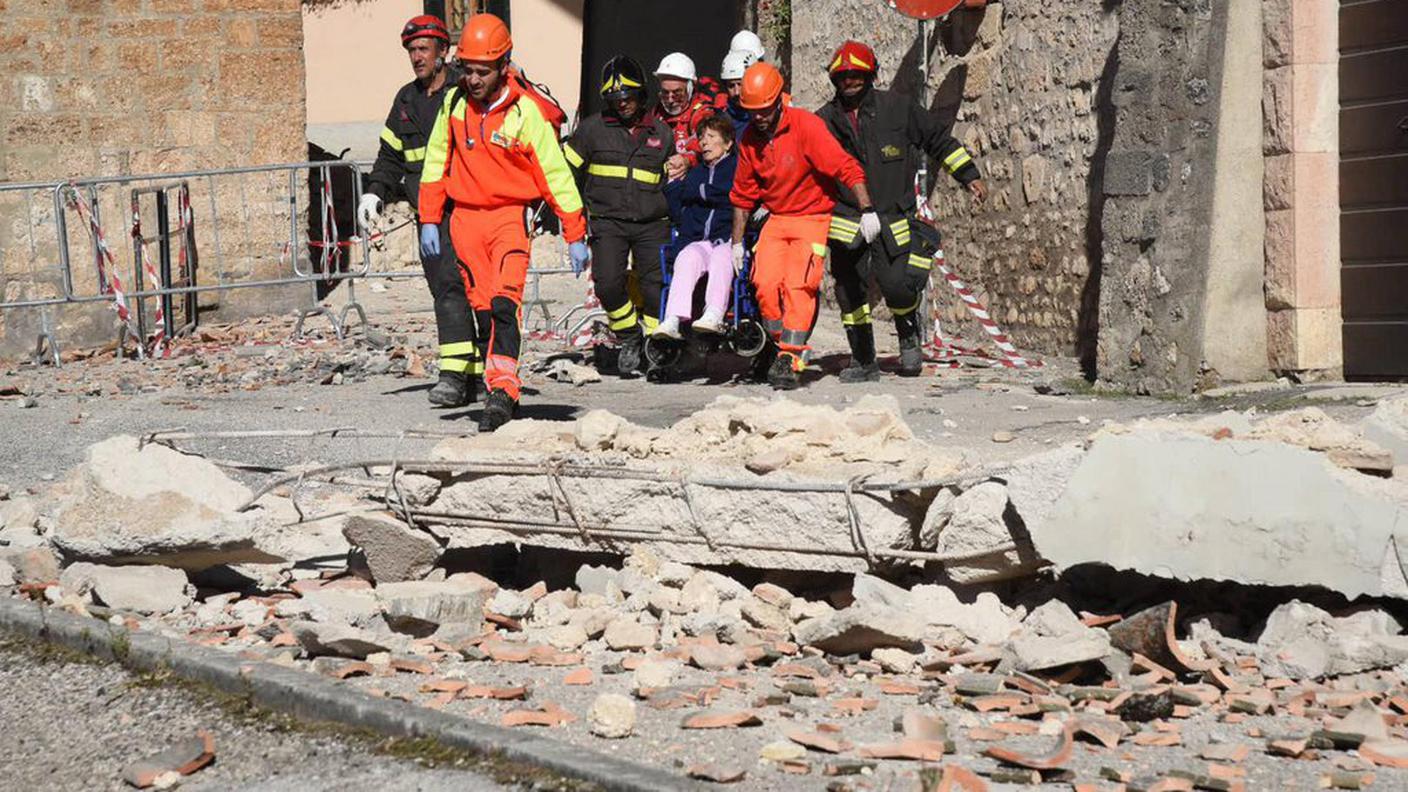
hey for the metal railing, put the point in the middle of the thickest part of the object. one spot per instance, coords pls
(310, 254)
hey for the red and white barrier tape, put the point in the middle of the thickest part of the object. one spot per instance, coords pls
(107, 265)
(944, 352)
(158, 341)
(1010, 357)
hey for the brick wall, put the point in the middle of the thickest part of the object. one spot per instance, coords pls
(115, 87)
(1020, 78)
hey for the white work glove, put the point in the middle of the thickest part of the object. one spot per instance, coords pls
(870, 226)
(760, 214)
(368, 210)
(738, 252)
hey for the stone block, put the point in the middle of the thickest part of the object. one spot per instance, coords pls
(1279, 182)
(1315, 100)
(1281, 339)
(1129, 173)
(1278, 40)
(1280, 247)
(1317, 257)
(1319, 339)
(1315, 32)
(1278, 111)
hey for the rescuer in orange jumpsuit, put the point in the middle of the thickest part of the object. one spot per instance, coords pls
(493, 153)
(789, 164)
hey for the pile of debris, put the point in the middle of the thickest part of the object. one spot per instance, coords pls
(247, 355)
(372, 580)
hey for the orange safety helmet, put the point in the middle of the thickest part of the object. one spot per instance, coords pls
(762, 85)
(424, 26)
(854, 56)
(485, 38)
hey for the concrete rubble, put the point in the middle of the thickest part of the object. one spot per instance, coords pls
(996, 656)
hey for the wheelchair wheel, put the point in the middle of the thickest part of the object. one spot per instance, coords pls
(748, 338)
(662, 352)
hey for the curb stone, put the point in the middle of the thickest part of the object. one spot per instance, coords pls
(311, 697)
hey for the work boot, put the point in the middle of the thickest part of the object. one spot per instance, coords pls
(911, 355)
(863, 367)
(631, 360)
(762, 363)
(499, 409)
(782, 375)
(455, 389)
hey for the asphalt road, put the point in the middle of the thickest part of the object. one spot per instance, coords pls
(74, 725)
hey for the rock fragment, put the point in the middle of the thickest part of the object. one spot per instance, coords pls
(981, 519)
(338, 639)
(612, 716)
(419, 607)
(1301, 641)
(861, 629)
(32, 564)
(183, 758)
(626, 634)
(129, 503)
(395, 551)
(141, 589)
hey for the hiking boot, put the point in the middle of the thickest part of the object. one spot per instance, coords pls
(631, 360)
(860, 372)
(911, 354)
(863, 368)
(499, 409)
(455, 389)
(782, 375)
(762, 363)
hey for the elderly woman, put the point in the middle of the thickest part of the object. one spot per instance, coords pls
(703, 215)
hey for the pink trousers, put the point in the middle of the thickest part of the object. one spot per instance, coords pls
(698, 258)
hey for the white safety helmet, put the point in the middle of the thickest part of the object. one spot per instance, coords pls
(748, 41)
(679, 65)
(736, 62)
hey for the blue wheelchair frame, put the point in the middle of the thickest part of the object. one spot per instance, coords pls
(743, 331)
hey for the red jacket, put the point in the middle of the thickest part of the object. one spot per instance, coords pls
(685, 124)
(492, 157)
(794, 171)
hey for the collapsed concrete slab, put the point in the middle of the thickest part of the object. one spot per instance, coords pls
(1189, 507)
(777, 528)
(151, 504)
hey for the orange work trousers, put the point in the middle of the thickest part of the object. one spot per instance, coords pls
(493, 251)
(788, 263)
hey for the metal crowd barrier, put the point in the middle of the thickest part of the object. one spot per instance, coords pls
(313, 253)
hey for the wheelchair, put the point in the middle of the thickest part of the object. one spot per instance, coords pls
(743, 333)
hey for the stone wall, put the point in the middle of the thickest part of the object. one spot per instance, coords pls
(1021, 79)
(115, 87)
(1159, 183)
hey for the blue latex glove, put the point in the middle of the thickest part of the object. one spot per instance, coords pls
(429, 240)
(580, 256)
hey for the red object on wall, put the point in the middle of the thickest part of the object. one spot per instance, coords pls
(925, 9)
